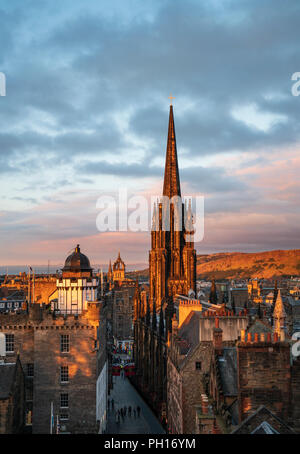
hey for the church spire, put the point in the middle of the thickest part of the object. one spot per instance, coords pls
(171, 179)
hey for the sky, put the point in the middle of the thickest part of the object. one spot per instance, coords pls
(86, 113)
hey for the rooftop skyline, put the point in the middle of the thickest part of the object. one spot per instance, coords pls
(86, 112)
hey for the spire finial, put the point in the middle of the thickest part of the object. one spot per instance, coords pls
(170, 98)
(171, 186)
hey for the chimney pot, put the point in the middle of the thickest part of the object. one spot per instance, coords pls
(242, 335)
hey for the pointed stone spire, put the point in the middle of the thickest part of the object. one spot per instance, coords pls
(189, 218)
(109, 267)
(171, 179)
(275, 295)
(279, 311)
(279, 314)
(154, 218)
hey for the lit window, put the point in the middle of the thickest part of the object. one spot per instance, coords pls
(64, 400)
(64, 374)
(65, 343)
(10, 343)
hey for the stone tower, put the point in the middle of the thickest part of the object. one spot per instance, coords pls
(172, 258)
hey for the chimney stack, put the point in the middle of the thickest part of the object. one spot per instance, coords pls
(243, 334)
(204, 401)
(218, 338)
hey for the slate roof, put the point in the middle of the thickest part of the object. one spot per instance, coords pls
(227, 364)
(263, 421)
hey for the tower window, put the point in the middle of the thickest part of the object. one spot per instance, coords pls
(9, 343)
(30, 370)
(64, 374)
(64, 343)
(64, 400)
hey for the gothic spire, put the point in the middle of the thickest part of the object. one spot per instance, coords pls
(279, 315)
(171, 179)
(279, 311)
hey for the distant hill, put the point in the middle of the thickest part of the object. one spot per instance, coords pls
(268, 264)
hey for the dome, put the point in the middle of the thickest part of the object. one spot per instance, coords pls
(77, 261)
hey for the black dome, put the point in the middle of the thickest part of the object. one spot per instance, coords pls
(77, 261)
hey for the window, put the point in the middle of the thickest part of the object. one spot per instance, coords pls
(64, 417)
(64, 374)
(198, 365)
(64, 400)
(65, 343)
(10, 343)
(30, 370)
(29, 394)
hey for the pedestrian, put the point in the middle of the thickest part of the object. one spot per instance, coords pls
(125, 410)
(108, 403)
(129, 410)
(138, 410)
(112, 403)
(134, 413)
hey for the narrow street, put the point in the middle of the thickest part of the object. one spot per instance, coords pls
(124, 394)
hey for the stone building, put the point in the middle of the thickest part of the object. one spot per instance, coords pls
(12, 396)
(172, 258)
(190, 349)
(59, 356)
(77, 285)
(118, 269)
(150, 354)
(172, 271)
(122, 300)
(63, 353)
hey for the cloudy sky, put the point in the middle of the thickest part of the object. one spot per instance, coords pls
(86, 113)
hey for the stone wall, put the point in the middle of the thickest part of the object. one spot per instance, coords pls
(264, 378)
(37, 339)
(192, 383)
